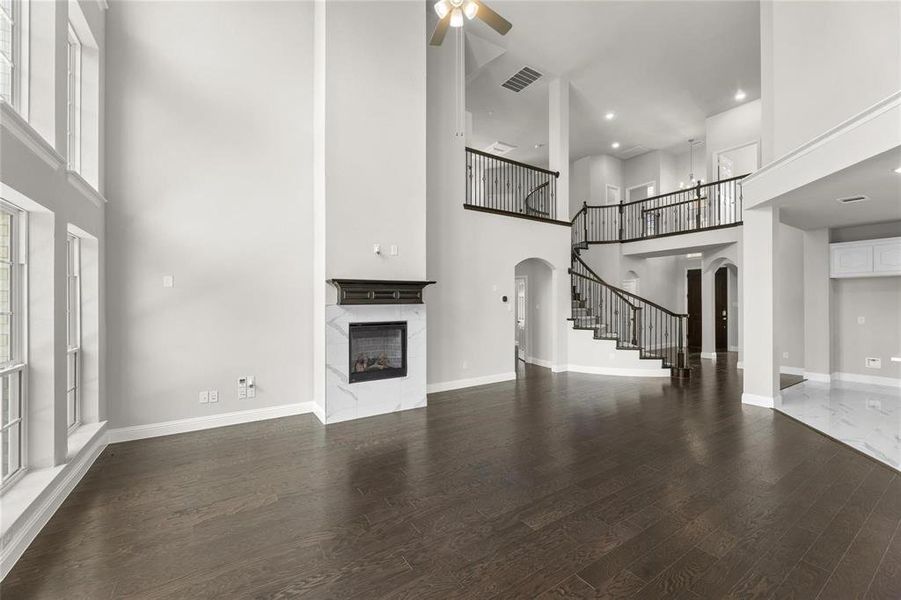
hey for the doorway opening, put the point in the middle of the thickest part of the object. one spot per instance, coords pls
(533, 313)
(725, 292)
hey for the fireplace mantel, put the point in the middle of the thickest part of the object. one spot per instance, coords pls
(379, 291)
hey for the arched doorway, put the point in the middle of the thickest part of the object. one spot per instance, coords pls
(533, 313)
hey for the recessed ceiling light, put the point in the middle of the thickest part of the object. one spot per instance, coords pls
(740, 95)
(537, 146)
(614, 145)
(898, 170)
(609, 116)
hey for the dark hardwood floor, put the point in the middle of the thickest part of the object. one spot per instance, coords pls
(565, 486)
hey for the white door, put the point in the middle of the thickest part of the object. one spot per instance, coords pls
(521, 292)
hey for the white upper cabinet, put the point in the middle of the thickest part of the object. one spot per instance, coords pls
(868, 258)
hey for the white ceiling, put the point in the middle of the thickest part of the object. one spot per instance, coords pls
(662, 67)
(814, 205)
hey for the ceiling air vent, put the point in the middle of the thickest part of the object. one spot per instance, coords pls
(500, 148)
(632, 151)
(852, 199)
(522, 79)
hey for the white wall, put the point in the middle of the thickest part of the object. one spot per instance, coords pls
(878, 301)
(589, 178)
(375, 132)
(641, 169)
(790, 296)
(823, 62)
(209, 180)
(730, 129)
(473, 255)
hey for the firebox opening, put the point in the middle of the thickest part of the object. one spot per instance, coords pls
(377, 351)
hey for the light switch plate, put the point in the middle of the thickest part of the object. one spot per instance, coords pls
(785, 355)
(214, 396)
(873, 363)
(393, 249)
(168, 281)
(861, 320)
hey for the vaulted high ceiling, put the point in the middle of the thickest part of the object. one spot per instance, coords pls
(661, 67)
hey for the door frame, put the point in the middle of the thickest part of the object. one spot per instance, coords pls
(638, 185)
(521, 351)
(619, 195)
(716, 156)
(717, 319)
(701, 281)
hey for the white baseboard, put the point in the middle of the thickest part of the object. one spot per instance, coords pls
(755, 400)
(620, 372)
(457, 384)
(533, 360)
(870, 379)
(59, 485)
(317, 410)
(709, 355)
(819, 377)
(791, 370)
(138, 432)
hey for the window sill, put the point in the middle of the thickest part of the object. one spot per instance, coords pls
(30, 502)
(87, 190)
(21, 129)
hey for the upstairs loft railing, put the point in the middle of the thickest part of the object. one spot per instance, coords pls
(501, 185)
(635, 322)
(708, 206)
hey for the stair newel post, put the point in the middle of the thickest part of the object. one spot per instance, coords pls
(621, 220)
(585, 222)
(680, 359)
(636, 326)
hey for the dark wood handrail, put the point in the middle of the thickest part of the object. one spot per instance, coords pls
(512, 162)
(682, 191)
(528, 206)
(624, 292)
(597, 278)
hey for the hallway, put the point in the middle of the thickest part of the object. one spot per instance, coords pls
(558, 486)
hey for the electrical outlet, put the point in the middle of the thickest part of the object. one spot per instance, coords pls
(873, 363)
(204, 397)
(861, 320)
(785, 355)
(393, 249)
(168, 281)
(214, 396)
(376, 248)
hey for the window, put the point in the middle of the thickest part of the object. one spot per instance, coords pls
(13, 52)
(12, 351)
(73, 330)
(73, 102)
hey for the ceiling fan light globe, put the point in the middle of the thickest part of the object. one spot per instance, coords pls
(470, 9)
(456, 18)
(442, 7)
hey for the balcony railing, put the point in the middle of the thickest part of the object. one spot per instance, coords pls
(501, 185)
(708, 206)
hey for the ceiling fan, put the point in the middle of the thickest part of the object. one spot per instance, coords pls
(450, 13)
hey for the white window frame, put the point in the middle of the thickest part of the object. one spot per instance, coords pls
(18, 61)
(16, 367)
(73, 317)
(73, 100)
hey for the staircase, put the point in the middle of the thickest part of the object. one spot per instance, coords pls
(633, 322)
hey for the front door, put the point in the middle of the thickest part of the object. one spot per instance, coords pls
(721, 302)
(694, 310)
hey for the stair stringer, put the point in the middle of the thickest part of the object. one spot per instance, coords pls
(586, 354)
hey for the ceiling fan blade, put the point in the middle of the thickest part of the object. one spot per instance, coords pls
(440, 30)
(492, 19)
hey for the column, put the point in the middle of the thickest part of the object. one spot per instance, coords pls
(760, 249)
(708, 313)
(558, 142)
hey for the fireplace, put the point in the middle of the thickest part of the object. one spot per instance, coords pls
(377, 351)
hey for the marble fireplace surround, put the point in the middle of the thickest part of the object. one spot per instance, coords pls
(345, 401)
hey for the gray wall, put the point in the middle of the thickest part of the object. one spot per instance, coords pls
(540, 321)
(209, 180)
(878, 300)
(790, 297)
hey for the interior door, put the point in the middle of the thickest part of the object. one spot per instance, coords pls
(521, 290)
(721, 302)
(693, 283)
